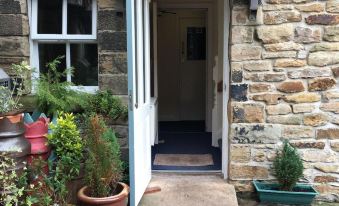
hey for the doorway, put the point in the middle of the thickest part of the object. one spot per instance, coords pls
(182, 68)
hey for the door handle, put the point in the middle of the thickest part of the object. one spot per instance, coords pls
(182, 51)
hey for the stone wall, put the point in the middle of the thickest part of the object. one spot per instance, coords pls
(285, 69)
(14, 29)
(112, 46)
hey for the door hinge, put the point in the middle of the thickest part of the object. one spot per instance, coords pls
(130, 100)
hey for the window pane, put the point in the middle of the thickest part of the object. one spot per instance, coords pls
(196, 43)
(49, 16)
(79, 17)
(84, 60)
(47, 53)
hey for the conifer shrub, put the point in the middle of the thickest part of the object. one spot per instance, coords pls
(103, 167)
(288, 167)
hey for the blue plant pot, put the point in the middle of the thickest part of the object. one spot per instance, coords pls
(302, 194)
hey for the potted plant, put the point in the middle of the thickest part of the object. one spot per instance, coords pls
(12, 128)
(103, 168)
(288, 169)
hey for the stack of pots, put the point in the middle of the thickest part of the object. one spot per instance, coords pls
(12, 140)
(36, 132)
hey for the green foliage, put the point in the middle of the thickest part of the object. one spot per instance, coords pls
(12, 186)
(9, 98)
(104, 103)
(288, 167)
(55, 95)
(103, 167)
(65, 138)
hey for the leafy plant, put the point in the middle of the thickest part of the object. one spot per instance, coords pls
(288, 167)
(103, 167)
(10, 97)
(54, 95)
(12, 185)
(66, 141)
(105, 103)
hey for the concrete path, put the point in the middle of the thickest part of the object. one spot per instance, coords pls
(190, 190)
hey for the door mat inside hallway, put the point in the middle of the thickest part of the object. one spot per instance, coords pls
(187, 160)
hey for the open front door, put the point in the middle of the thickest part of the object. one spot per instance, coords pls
(140, 109)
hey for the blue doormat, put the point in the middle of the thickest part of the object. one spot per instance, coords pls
(190, 140)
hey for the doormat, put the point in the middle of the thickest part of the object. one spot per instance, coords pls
(183, 160)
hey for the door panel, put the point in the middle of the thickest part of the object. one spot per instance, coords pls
(192, 68)
(139, 97)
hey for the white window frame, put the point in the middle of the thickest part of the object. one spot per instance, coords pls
(64, 38)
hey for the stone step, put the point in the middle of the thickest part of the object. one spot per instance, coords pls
(190, 190)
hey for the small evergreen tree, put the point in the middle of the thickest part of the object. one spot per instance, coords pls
(288, 167)
(103, 167)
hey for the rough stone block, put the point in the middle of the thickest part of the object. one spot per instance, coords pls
(335, 146)
(289, 63)
(321, 84)
(309, 73)
(291, 86)
(325, 46)
(307, 35)
(270, 7)
(290, 119)
(302, 98)
(330, 95)
(322, 19)
(236, 73)
(6, 62)
(115, 63)
(111, 20)
(240, 17)
(279, 17)
(241, 34)
(257, 66)
(278, 109)
(313, 155)
(239, 92)
(282, 54)
(331, 33)
(286, 46)
(325, 179)
(14, 46)
(245, 52)
(332, 6)
(260, 87)
(13, 7)
(248, 113)
(240, 153)
(322, 58)
(255, 133)
(248, 172)
(265, 77)
(330, 133)
(311, 7)
(115, 83)
(327, 168)
(297, 132)
(316, 119)
(13, 25)
(308, 144)
(268, 98)
(330, 107)
(112, 41)
(276, 33)
(335, 71)
(303, 108)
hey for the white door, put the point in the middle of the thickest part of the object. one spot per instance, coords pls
(140, 108)
(192, 67)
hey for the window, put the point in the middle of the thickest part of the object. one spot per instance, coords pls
(66, 28)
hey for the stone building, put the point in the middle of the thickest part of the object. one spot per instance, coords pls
(277, 79)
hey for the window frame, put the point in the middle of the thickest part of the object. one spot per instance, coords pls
(63, 35)
(64, 38)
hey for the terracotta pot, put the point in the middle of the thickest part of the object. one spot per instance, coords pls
(36, 133)
(120, 199)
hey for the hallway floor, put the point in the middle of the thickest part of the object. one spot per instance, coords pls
(186, 138)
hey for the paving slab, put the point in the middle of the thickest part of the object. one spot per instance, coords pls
(190, 190)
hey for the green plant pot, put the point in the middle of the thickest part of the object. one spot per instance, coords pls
(301, 195)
